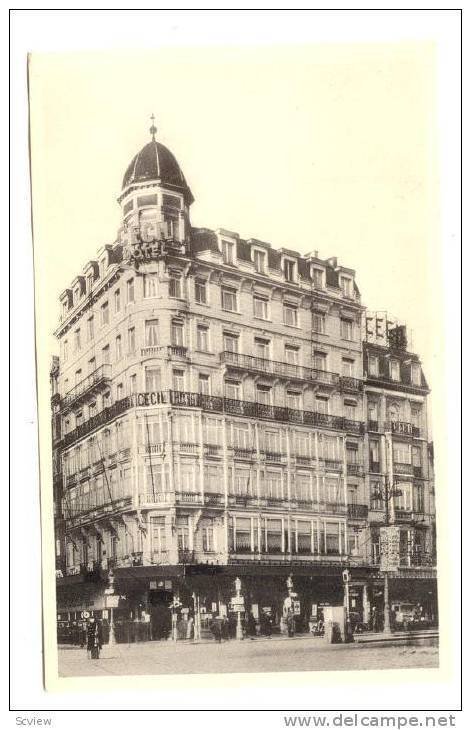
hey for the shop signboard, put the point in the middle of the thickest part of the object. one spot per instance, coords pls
(112, 601)
(390, 538)
(237, 604)
(297, 608)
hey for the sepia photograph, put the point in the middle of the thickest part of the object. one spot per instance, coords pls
(240, 316)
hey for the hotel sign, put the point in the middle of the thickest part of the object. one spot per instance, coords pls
(389, 542)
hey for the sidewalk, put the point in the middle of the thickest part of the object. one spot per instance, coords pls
(402, 637)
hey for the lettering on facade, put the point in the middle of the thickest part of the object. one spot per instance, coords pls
(389, 541)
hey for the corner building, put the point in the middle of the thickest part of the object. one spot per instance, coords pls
(209, 415)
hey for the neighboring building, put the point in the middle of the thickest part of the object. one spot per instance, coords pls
(209, 420)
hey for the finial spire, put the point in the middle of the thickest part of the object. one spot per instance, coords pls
(153, 129)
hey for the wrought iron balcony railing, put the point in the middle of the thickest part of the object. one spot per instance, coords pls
(354, 469)
(402, 468)
(243, 453)
(100, 419)
(100, 378)
(332, 464)
(375, 467)
(403, 428)
(349, 384)
(280, 369)
(213, 404)
(214, 499)
(358, 511)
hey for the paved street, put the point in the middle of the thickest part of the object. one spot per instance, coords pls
(259, 655)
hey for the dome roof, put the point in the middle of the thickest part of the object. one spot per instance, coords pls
(156, 162)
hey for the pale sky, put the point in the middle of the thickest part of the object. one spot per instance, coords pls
(323, 147)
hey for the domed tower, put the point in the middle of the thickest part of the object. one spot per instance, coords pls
(155, 198)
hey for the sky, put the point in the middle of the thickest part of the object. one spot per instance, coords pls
(327, 147)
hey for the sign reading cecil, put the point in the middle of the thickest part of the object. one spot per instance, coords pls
(390, 538)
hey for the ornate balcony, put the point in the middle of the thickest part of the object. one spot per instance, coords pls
(188, 497)
(354, 470)
(375, 467)
(169, 351)
(212, 450)
(350, 385)
(405, 429)
(287, 370)
(99, 380)
(187, 448)
(373, 426)
(186, 556)
(152, 449)
(213, 404)
(156, 498)
(274, 457)
(332, 464)
(358, 511)
(214, 499)
(100, 419)
(401, 468)
(335, 508)
(244, 453)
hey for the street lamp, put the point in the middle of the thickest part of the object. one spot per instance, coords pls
(238, 586)
(387, 495)
(110, 592)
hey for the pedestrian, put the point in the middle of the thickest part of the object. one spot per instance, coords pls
(94, 639)
(374, 619)
(265, 624)
(189, 627)
(83, 634)
(290, 620)
(215, 628)
(251, 626)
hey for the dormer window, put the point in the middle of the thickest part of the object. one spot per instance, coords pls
(394, 370)
(259, 258)
(346, 286)
(317, 277)
(415, 374)
(227, 252)
(289, 269)
(89, 282)
(76, 295)
(373, 365)
(65, 309)
(102, 267)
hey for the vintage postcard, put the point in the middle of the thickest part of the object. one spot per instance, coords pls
(237, 291)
